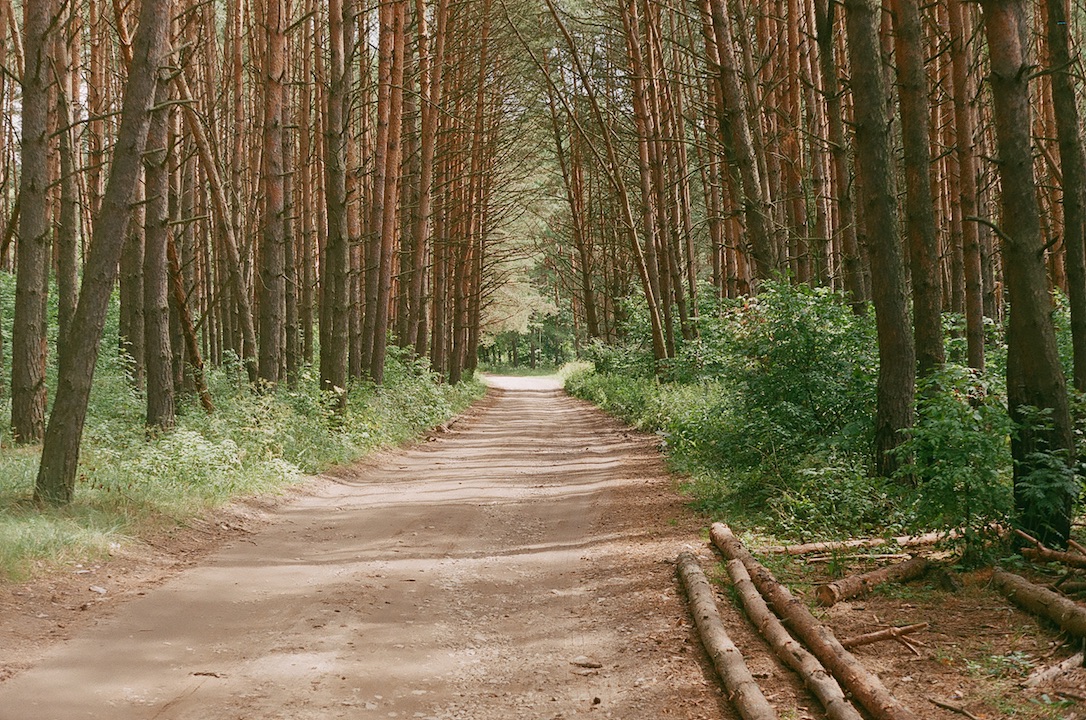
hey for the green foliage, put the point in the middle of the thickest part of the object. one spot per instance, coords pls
(1049, 484)
(769, 411)
(958, 457)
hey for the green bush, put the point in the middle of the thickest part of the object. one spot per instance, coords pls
(769, 410)
(957, 456)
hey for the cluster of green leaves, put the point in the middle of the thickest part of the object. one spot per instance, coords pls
(956, 459)
(770, 413)
(130, 483)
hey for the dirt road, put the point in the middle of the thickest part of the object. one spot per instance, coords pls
(516, 566)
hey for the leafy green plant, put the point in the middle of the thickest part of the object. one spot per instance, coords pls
(957, 455)
(1051, 485)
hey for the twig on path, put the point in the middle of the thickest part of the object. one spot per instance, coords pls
(953, 708)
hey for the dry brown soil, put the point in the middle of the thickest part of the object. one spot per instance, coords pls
(518, 564)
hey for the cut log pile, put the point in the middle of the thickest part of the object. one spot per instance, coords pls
(827, 668)
(843, 686)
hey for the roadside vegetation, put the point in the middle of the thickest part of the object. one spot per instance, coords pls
(769, 413)
(132, 482)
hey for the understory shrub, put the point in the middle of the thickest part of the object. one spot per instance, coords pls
(769, 412)
(957, 457)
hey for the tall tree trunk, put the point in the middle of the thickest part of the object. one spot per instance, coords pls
(67, 230)
(431, 64)
(28, 342)
(272, 286)
(1035, 381)
(842, 175)
(390, 219)
(221, 209)
(60, 452)
(919, 201)
(757, 205)
(156, 306)
(335, 268)
(131, 325)
(1073, 166)
(875, 170)
(967, 196)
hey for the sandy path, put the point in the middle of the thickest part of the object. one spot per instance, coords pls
(454, 579)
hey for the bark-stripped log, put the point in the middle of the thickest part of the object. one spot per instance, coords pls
(903, 541)
(1068, 614)
(854, 585)
(814, 675)
(1044, 675)
(743, 691)
(865, 687)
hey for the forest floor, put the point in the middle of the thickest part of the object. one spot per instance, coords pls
(517, 564)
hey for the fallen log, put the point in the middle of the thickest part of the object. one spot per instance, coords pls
(1069, 615)
(865, 687)
(743, 691)
(902, 541)
(1043, 675)
(1042, 554)
(1071, 587)
(818, 681)
(893, 633)
(854, 585)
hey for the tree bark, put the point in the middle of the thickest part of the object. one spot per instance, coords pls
(67, 230)
(818, 681)
(1035, 381)
(1073, 170)
(742, 689)
(735, 120)
(221, 209)
(335, 265)
(156, 305)
(874, 166)
(1069, 615)
(919, 201)
(272, 287)
(390, 190)
(60, 452)
(966, 182)
(842, 174)
(28, 342)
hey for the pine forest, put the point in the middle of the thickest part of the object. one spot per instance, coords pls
(828, 256)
